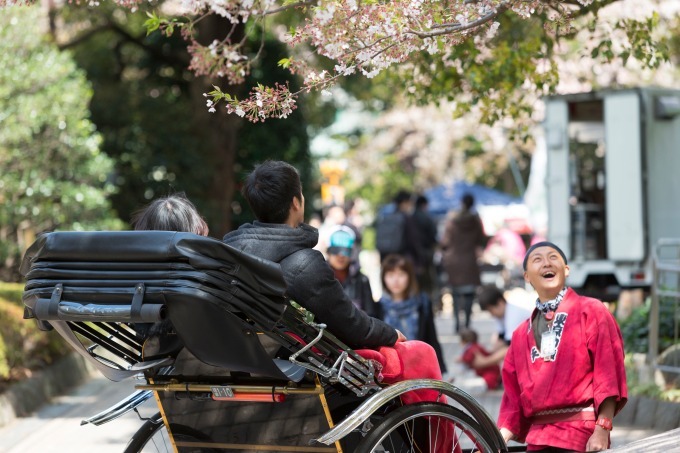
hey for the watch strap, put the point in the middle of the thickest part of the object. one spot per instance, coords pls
(605, 423)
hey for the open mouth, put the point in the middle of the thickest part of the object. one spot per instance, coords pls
(548, 274)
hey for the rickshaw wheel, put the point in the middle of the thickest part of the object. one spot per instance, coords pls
(425, 428)
(153, 437)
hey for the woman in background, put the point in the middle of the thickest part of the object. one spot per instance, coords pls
(406, 308)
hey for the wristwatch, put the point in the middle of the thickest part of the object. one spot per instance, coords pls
(604, 423)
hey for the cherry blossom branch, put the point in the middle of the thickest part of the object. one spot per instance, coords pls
(447, 29)
(289, 6)
(357, 35)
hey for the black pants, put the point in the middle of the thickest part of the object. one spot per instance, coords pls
(462, 300)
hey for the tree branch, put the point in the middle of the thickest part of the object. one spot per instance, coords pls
(285, 7)
(447, 29)
(110, 25)
(84, 36)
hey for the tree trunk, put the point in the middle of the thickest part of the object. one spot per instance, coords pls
(220, 129)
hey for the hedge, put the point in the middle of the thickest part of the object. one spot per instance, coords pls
(635, 328)
(23, 347)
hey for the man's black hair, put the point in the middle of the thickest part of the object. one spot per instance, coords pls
(468, 200)
(270, 188)
(543, 244)
(421, 201)
(401, 197)
(489, 296)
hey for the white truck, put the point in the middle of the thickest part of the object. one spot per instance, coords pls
(613, 183)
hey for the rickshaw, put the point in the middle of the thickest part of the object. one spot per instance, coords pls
(231, 362)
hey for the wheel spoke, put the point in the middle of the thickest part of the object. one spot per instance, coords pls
(159, 441)
(153, 436)
(425, 428)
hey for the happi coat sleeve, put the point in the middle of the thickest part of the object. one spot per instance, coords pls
(605, 345)
(511, 415)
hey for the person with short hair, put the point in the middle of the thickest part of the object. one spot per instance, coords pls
(564, 374)
(172, 213)
(508, 314)
(274, 192)
(427, 233)
(408, 243)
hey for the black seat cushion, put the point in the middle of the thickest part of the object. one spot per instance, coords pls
(218, 298)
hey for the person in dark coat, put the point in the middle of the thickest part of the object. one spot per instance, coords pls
(341, 243)
(274, 192)
(462, 245)
(405, 307)
(407, 241)
(427, 234)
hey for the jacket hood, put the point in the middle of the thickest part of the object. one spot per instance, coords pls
(272, 241)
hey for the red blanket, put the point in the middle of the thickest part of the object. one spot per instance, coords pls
(407, 360)
(415, 360)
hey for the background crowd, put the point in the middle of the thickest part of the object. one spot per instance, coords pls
(427, 263)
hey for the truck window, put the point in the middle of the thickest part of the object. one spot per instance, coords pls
(587, 180)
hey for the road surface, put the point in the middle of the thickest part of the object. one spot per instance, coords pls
(56, 427)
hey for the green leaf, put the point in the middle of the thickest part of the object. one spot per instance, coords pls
(284, 63)
(624, 56)
(152, 23)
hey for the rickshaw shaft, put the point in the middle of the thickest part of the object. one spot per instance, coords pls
(236, 388)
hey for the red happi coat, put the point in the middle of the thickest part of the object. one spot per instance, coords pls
(587, 368)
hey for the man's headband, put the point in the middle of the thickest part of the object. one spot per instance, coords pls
(543, 244)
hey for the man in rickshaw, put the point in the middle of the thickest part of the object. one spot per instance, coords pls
(274, 193)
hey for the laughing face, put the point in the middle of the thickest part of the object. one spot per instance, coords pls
(546, 272)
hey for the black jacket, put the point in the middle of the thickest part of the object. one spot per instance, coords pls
(311, 281)
(428, 332)
(358, 289)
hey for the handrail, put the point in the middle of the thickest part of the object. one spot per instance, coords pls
(665, 264)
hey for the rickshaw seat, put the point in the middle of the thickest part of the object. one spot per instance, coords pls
(133, 278)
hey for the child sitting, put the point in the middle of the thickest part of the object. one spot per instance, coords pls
(492, 373)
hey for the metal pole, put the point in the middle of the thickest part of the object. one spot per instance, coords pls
(654, 314)
(515, 173)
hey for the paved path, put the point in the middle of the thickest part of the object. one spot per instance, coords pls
(56, 427)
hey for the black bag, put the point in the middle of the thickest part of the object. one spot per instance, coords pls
(389, 233)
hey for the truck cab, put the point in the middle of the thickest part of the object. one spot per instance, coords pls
(612, 183)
